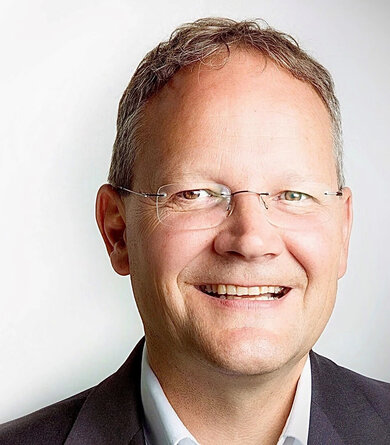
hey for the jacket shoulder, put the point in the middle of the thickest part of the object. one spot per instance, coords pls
(353, 386)
(49, 425)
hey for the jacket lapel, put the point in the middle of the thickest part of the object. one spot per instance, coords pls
(321, 429)
(341, 410)
(112, 412)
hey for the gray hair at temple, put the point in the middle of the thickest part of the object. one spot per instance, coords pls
(198, 42)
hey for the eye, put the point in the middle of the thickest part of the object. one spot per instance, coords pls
(191, 195)
(292, 195)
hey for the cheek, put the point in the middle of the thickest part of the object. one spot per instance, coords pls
(317, 252)
(160, 258)
(167, 252)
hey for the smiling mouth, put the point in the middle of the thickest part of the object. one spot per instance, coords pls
(233, 292)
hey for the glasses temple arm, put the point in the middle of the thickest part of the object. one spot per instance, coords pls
(145, 195)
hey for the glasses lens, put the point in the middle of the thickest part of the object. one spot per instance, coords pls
(297, 210)
(193, 206)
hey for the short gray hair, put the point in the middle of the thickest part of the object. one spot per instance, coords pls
(195, 42)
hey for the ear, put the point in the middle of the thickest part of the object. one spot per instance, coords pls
(347, 218)
(111, 219)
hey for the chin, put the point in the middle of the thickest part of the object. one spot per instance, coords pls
(258, 356)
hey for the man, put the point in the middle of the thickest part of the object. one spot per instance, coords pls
(228, 209)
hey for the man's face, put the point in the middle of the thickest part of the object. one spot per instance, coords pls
(250, 127)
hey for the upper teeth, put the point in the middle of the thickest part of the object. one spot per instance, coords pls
(231, 289)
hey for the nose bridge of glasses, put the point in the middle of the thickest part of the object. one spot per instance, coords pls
(260, 197)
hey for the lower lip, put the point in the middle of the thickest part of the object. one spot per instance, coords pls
(247, 303)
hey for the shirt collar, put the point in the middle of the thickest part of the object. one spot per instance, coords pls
(297, 424)
(163, 425)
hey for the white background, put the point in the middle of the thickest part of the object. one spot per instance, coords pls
(67, 320)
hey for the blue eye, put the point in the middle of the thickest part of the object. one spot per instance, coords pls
(291, 195)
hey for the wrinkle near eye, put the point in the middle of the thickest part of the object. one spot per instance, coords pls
(145, 213)
(149, 224)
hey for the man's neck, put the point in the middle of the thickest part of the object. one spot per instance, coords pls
(217, 407)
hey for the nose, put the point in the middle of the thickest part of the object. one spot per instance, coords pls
(247, 232)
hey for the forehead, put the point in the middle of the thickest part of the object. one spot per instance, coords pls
(247, 118)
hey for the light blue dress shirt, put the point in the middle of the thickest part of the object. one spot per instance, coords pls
(163, 426)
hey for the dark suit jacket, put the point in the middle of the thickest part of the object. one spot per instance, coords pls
(346, 408)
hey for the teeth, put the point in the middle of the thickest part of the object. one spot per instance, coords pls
(255, 290)
(262, 298)
(230, 291)
(267, 297)
(242, 290)
(221, 289)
